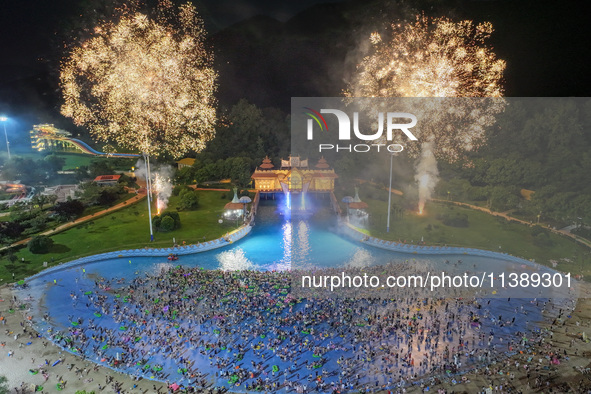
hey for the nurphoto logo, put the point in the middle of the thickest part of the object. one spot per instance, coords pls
(394, 122)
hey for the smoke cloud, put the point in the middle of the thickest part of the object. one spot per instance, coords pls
(140, 169)
(427, 174)
(161, 176)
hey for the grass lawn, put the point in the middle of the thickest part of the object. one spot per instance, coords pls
(483, 232)
(75, 160)
(128, 229)
(124, 229)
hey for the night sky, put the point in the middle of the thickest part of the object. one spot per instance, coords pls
(300, 48)
(33, 31)
(29, 29)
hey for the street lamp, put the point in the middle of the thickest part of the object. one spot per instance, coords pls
(389, 195)
(149, 193)
(3, 119)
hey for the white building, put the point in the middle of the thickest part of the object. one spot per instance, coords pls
(63, 192)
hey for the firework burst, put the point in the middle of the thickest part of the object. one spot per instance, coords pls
(145, 84)
(431, 58)
(437, 58)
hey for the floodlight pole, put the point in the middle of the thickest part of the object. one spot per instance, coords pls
(389, 196)
(149, 194)
(4, 119)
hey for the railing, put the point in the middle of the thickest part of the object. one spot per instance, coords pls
(335, 204)
(255, 204)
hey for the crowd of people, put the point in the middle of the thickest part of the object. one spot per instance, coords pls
(245, 330)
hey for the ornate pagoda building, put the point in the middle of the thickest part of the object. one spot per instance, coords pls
(294, 176)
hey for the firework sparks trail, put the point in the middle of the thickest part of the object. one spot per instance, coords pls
(144, 84)
(437, 58)
(162, 187)
(161, 177)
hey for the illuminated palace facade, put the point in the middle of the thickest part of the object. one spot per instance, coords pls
(294, 176)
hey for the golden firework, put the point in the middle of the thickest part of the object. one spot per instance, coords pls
(144, 84)
(431, 58)
(437, 58)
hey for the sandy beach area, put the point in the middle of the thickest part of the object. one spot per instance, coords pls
(30, 353)
(28, 362)
(534, 372)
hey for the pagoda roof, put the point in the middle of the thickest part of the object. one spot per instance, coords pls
(358, 205)
(263, 174)
(322, 163)
(267, 164)
(234, 205)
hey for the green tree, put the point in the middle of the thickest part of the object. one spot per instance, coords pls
(30, 172)
(4, 385)
(11, 230)
(54, 163)
(40, 244)
(36, 223)
(82, 173)
(109, 194)
(99, 167)
(239, 170)
(167, 224)
(178, 189)
(19, 212)
(68, 210)
(89, 193)
(125, 180)
(185, 175)
(51, 199)
(156, 220)
(41, 200)
(92, 194)
(175, 216)
(167, 221)
(502, 198)
(240, 134)
(188, 200)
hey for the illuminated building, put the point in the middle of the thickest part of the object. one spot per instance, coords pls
(294, 176)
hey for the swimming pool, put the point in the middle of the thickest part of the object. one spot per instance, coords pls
(277, 243)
